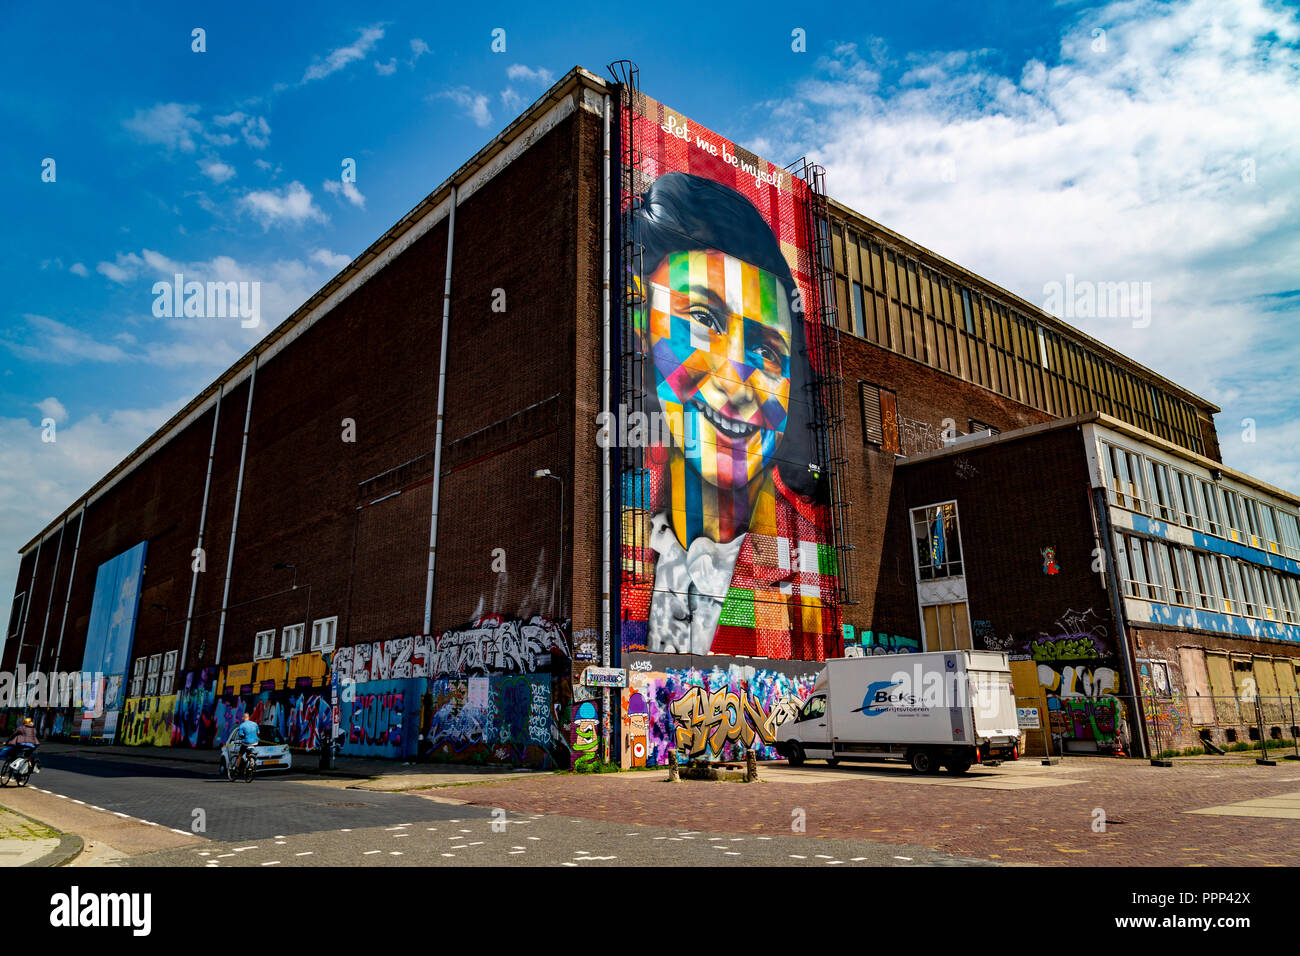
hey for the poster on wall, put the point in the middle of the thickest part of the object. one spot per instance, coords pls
(726, 538)
(109, 637)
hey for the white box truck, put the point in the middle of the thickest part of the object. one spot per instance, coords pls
(941, 709)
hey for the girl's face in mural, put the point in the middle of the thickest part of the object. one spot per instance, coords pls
(720, 334)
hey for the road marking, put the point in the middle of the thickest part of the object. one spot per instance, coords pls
(823, 856)
(796, 856)
(82, 802)
(62, 796)
(241, 849)
(734, 853)
(833, 862)
(516, 848)
(270, 862)
(219, 855)
(857, 859)
(907, 858)
(371, 852)
(305, 853)
(534, 838)
(181, 832)
(122, 815)
(394, 852)
(765, 838)
(449, 854)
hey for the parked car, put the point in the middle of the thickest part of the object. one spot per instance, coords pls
(272, 750)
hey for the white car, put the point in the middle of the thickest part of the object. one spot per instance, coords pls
(272, 752)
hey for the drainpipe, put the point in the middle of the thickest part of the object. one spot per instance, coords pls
(606, 490)
(49, 602)
(1102, 511)
(234, 520)
(437, 438)
(27, 609)
(203, 520)
(72, 573)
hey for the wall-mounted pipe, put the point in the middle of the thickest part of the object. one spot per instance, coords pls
(606, 487)
(72, 573)
(437, 438)
(203, 520)
(234, 520)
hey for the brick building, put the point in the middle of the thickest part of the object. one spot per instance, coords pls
(1127, 574)
(353, 525)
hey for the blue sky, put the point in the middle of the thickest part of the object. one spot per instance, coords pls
(1130, 141)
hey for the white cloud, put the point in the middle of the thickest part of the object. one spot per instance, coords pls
(512, 101)
(216, 170)
(344, 55)
(256, 132)
(474, 104)
(79, 269)
(39, 479)
(1169, 158)
(171, 125)
(123, 270)
(48, 340)
(331, 260)
(292, 205)
(517, 72)
(418, 49)
(53, 408)
(349, 191)
(386, 69)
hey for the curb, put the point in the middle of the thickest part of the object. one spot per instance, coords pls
(69, 848)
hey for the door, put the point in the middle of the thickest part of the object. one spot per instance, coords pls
(1196, 685)
(812, 726)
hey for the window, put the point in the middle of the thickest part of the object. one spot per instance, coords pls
(1126, 484)
(1233, 515)
(1140, 567)
(1229, 586)
(1188, 502)
(151, 682)
(816, 707)
(263, 645)
(1291, 595)
(137, 677)
(873, 428)
(1289, 528)
(1207, 592)
(1210, 508)
(322, 634)
(168, 676)
(1174, 564)
(1163, 505)
(938, 543)
(1254, 524)
(1271, 593)
(970, 316)
(291, 640)
(1252, 590)
(16, 614)
(1271, 537)
(977, 426)
(859, 311)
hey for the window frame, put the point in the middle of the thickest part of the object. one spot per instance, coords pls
(299, 630)
(264, 645)
(333, 623)
(930, 514)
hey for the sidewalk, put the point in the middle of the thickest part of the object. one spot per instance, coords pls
(370, 773)
(25, 842)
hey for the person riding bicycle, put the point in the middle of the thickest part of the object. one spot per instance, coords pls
(248, 738)
(23, 740)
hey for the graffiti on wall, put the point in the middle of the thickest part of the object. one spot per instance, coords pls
(500, 718)
(380, 717)
(585, 732)
(726, 531)
(878, 642)
(147, 721)
(915, 437)
(492, 645)
(716, 712)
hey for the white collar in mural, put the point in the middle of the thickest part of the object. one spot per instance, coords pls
(690, 587)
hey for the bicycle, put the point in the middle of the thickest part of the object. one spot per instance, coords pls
(18, 768)
(245, 766)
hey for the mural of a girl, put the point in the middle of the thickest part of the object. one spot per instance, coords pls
(734, 555)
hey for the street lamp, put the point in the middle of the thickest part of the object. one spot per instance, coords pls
(559, 574)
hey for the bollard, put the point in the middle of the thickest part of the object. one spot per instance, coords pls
(674, 775)
(751, 766)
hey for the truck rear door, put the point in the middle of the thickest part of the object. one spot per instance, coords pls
(994, 706)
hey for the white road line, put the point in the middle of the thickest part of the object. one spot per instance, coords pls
(122, 815)
(796, 856)
(270, 862)
(394, 852)
(305, 853)
(908, 858)
(82, 802)
(371, 852)
(241, 849)
(181, 832)
(534, 838)
(449, 854)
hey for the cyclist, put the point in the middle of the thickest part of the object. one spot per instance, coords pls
(248, 739)
(23, 739)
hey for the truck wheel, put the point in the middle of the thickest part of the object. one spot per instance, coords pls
(924, 761)
(794, 755)
(958, 766)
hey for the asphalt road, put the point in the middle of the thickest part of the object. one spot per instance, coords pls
(169, 793)
(299, 820)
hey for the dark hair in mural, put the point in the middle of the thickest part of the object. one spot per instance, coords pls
(681, 213)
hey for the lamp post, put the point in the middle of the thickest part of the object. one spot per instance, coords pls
(559, 574)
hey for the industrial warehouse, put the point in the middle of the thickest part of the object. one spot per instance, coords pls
(426, 512)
